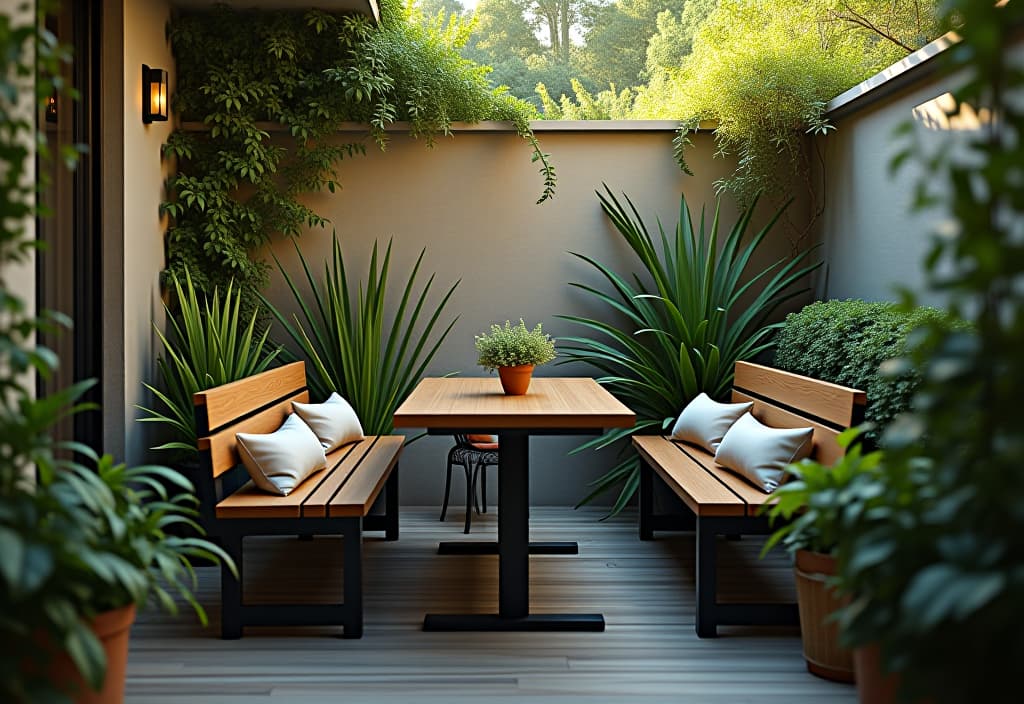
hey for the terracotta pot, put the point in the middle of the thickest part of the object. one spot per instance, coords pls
(516, 380)
(816, 601)
(112, 628)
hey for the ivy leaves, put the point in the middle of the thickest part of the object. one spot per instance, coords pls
(238, 185)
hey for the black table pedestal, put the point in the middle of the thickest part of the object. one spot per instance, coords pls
(513, 549)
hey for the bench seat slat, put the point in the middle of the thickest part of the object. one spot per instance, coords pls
(346, 464)
(826, 449)
(223, 446)
(703, 493)
(750, 495)
(364, 465)
(250, 502)
(361, 490)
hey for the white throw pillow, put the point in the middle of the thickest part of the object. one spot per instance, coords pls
(704, 422)
(279, 461)
(334, 421)
(760, 454)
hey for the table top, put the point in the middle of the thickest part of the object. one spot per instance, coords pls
(553, 403)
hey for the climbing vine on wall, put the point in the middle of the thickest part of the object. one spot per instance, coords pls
(304, 72)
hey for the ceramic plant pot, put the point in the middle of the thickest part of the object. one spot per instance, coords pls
(817, 600)
(516, 380)
(112, 628)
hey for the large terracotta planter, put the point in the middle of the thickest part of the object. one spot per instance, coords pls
(112, 628)
(515, 380)
(873, 685)
(816, 601)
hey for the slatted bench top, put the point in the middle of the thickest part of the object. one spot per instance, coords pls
(704, 486)
(780, 399)
(353, 479)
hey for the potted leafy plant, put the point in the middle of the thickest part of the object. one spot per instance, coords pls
(812, 509)
(514, 350)
(932, 559)
(82, 546)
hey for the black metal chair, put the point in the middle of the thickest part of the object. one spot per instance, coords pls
(475, 453)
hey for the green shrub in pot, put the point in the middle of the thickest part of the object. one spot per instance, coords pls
(810, 509)
(514, 345)
(934, 562)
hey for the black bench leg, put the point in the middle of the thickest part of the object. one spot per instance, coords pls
(707, 579)
(354, 579)
(646, 501)
(231, 591)
(391, 506)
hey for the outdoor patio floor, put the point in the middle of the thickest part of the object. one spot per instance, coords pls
(648, 653)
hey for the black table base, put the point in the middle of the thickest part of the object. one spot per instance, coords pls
(531, 622)
(490, 547)
(513, 549)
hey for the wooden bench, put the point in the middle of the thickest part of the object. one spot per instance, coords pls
(334, 501)
(722, 503)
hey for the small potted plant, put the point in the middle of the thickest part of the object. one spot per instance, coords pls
(813, 506)
(514, 350)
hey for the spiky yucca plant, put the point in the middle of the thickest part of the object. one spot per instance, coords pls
(683, 335)
(206, 346)
(348, 344)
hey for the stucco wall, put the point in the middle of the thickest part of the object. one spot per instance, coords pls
(470, 202)
(134, 34)
(874, 242)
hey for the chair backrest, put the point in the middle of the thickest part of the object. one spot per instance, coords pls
(786, 400)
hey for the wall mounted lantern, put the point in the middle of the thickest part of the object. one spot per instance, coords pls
(154, 94)
(51, 107)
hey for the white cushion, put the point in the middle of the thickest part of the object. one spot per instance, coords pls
(760, 454)
(279, 461)
(704, 422)
(334, 421)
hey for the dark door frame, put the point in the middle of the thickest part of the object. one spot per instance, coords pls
(86, 235)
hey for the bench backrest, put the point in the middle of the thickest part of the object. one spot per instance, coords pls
(256, 404)
(786, 400)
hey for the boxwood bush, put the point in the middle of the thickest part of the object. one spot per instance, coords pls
(846, 342)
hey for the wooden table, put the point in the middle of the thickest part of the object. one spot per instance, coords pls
(553, 406)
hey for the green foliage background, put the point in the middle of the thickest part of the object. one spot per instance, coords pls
(308, 72)
(761, 71)
(847, 342)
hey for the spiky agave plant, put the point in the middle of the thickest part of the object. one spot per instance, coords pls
(684, 334)
(350, 347)
(206, 345)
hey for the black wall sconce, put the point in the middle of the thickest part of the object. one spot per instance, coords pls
(154, 94)
(51, 107)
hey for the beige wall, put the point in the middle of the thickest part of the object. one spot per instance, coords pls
(20, 277)
(873, 242)
(470, 202)
(134, 34)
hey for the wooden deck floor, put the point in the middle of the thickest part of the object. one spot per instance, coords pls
(649, 652)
